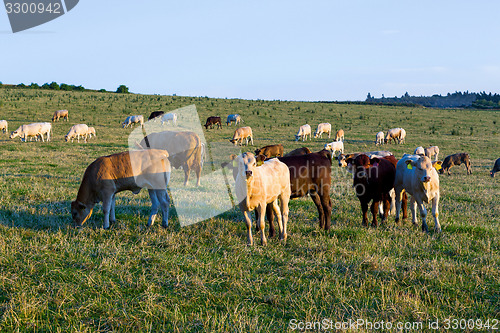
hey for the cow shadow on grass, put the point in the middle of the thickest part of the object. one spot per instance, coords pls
(56, 216)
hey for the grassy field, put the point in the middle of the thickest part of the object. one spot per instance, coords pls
(203, 277)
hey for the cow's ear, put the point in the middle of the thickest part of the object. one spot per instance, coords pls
(349, 160)
(410, 164)
(81, 205)
(374, 160)
(232, 156)
(260, 159)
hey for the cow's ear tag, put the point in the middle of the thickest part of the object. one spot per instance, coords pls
(437, 166)
(235, 164)
(259, 163)
(409, 167)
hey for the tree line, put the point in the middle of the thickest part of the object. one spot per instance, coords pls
(122, 89)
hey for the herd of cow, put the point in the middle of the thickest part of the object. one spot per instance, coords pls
(265, 180)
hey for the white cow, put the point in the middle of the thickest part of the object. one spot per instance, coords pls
(169, 117)
(335, 146)
(4, 126)
(77, 131)
(432, 151)
(323, 128)
(379, 138)
(233, 117)
(416, 175)
(133, 120)
(303, 132)
(32, 130)
(419, 151)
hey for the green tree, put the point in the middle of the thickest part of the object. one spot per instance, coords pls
(122, 89)
(54, 86)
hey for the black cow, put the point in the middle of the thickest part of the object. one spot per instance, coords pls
(455, 159)
(211, 121)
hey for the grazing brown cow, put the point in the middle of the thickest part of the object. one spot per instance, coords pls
(456, 159)
(64, 114)
(270, 151)
(242, 133)
(155, 114)
(496, 168)
(373, 180)
(132, 171)
(298, 152)
(340, 135)
(211, 121)
(344, 157)
(185, 150)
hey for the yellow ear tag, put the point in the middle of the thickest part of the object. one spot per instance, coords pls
(409, 167)
(259, 163)
(235, 164)
(437, 166)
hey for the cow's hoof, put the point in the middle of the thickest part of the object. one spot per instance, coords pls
(164, 225)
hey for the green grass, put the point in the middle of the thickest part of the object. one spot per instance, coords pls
(203, 277)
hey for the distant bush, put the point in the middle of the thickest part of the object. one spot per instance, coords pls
(122, 89)
(34, 85)
(21, 85)
(102, 90)
(54, 86)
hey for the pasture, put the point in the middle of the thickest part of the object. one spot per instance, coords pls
(204, 277)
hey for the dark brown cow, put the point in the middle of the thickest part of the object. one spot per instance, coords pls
(298, 152)
(455, 159)
(211, 121)
(270, 151)
(496, 168)
(184, 148)
(373, 180)
(155, 114)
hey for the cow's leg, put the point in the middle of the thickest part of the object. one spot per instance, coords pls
(326, 202)
(261, 222)
(279, 217)
(164, 199)
(251, 140)
(364, 209)
(112, 216)
(248, 222)
(387, 207)
(423, 214)
(398, 195)
(284, 214)
(405, 205)
(197, 170)
(413, 208)
(270, 219)
(155, 203)
(106, 208)
(374, 209)
(435, 213)
(321, 213)
(186, 174)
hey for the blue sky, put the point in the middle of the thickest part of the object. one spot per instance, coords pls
(288, 50)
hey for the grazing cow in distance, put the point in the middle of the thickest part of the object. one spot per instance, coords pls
(303, 132)
(339, 136)
(396, 134)
(323, 128)
(4, 126)
(419, 151)
(373, 180)
(432, 151)
(259, 184)
(132, 171)
(242, 133)
(416, 175)
(60, 114)
(211, 121)
(130, 120)
(155, 114)
(185, 150)
(335, 146)
(379, 138)
(233, 117)
(169, 117)
(32, 130)
(298, 152)
(455, 159)
(76, 131)
(496, 168)
(270, 151)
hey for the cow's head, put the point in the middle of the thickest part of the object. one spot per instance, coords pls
(422, 167)
(360, 165)
(80, 213)
(14, 134)
(66, 138)
(492, 174)
(247, 163)
(233, 141)
(257, 151)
